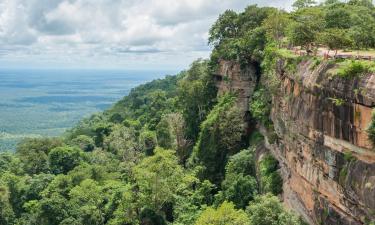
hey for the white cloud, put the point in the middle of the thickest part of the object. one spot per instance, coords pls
(109, 33)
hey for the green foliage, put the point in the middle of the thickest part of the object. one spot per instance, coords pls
(122, 141)
(241, 163)
(338, 16)
(7, 215)
(371, 129)
(84, 142)
(355, 68)
(260, 105)
(194, 197)
(239, 189)
(308, 23)
(239, 185)
(111, 169)
(224, 214)
(270, 179)
(224, 28)
(267, 210)
(335, 38)
(196, 96)
(240, 37)
(220, 136)
(276, 25)
(64, 159)
(158, 178)
(33, 153)
(337, 101)
(148, 141)
(300, 4)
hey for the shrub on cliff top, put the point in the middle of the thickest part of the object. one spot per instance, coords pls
(355, 68)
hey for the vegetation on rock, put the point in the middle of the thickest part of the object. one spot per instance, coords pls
(171, 152)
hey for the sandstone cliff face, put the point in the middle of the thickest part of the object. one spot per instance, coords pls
(326, 159)
(242, 81)
(323, 146)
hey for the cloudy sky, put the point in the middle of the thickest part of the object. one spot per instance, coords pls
(127, 34)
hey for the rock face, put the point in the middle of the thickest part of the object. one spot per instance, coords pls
(230, 77)
(326, 159)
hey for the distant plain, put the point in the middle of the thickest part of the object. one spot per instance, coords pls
(36, 103)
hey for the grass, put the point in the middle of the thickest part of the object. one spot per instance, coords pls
(337, 101)
(286, 53)
(350, 69)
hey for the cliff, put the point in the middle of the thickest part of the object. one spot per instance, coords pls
(326, 159)
(231, 77)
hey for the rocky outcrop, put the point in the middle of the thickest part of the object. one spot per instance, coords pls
(231, 77)
(326, 159)
(323, 148)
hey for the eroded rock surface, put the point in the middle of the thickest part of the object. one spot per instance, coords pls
(230, 77)
(321, 123)
(326, 159)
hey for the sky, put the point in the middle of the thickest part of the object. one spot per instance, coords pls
(113, 34)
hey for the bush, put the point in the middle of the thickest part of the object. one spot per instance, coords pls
(224, 214)
(64, 159)
(270, 179)
(267, 210)
(84, 142)
(355, 68)
(260, 105)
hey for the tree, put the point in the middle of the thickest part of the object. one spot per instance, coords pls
(7, 215)
(194, 196)
(122, 142)
(239, 185)
(13, 191)
(225, 27)
(276, 25)
(251, 46)
(300, 4)
(33, 153)
(338, 17)
(10, 163)
(364, 3)
(220, 136)
(363, 29)
(224, 214)
(88, 205)
(164, 134)
(196, 96)
(148, 141)
(239, 189)
(331, 2)
(36, 185)
(158, 178)
(335, 39)
(270, 179)
(64, 159)
(121, 207)
(308, 23)
(84, 142)
(52, 210)
(267, 210)
(241, 163)
(181, 142)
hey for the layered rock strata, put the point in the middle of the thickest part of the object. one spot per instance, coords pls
(326, 159)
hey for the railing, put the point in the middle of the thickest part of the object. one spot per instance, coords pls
(337, 56)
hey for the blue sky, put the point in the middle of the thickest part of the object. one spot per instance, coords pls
(127, 34)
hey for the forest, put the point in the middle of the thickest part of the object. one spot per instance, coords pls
(174, 151)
